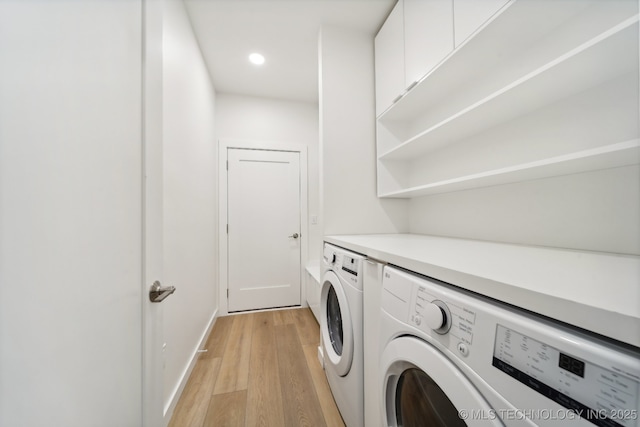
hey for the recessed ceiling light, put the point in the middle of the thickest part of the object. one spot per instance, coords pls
(256, 59)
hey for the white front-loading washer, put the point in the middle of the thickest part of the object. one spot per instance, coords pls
(449, 357)
(341, 330)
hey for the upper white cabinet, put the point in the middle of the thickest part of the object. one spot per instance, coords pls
(471, 14)
(540, 90)
(389, 59)
(428, 36)
(415, 37)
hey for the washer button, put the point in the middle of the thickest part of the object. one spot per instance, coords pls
(463, 349)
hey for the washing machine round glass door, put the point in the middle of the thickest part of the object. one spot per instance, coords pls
(335, 324)
(422, 387)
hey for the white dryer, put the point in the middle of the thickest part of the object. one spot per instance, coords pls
(341, 331)
(453, 358)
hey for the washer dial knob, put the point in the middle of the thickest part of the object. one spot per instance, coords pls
(438, 316)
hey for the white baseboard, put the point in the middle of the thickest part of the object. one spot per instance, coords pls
(177, 392)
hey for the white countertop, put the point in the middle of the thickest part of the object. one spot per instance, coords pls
(599, 292)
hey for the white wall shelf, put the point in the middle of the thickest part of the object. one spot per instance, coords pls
(527, 59)
(610, 156)
(600, 56)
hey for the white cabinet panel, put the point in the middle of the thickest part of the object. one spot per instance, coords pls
(371, 328)
(471, 14)
(428, 36)
(389, 59)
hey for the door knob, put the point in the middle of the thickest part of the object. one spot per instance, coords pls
(295, 235)
(157, 293)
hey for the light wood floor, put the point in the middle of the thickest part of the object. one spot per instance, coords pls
(261, 369)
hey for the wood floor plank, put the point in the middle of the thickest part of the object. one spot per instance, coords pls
(329, 409)
(217, 340)
(308, 328)
(227, 410)
(285, 383)
(192, 406)
(302, 407)
(234, 371)
(283, 317)
(264, 395)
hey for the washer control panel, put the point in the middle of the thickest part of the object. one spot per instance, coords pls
(329, 254)
(430, 308)
(428, 312)
(347, 265)
(603, 396)
(531, 361)
(350, 264)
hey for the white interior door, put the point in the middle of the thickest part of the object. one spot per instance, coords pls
(264, 242)
(71, 223)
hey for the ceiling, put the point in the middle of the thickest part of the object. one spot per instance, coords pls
(284, 31)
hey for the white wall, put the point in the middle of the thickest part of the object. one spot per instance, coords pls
(190, 198)
(262, 119)
(596, 211)
(70, 213)
(347, 139)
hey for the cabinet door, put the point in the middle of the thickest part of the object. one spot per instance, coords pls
(389, 59)
(471, 14)
(428, 32)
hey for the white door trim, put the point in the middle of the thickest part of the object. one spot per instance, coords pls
(223, 145)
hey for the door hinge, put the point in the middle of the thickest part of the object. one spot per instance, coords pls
(227, 164)
(227, 228)
(227, 293)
